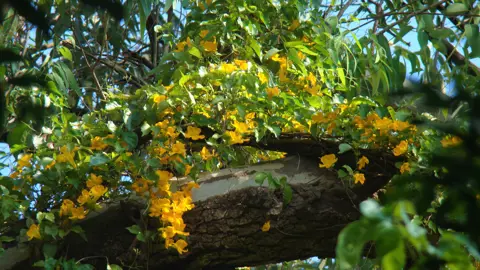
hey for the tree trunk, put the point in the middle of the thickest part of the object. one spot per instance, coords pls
(225, 225)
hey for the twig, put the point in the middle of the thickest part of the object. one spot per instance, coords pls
(408, 17)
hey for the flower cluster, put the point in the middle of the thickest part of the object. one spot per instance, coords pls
(170, 209)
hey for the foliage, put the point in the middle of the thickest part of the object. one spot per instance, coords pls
(95, 111)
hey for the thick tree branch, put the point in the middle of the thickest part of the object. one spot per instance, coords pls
(225, 225)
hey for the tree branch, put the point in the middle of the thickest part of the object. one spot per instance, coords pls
(225, 225)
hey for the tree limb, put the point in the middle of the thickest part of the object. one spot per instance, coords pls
(225, 225)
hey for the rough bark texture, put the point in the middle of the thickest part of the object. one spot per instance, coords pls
(225, 225)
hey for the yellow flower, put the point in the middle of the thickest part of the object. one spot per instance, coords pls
(359, 177)
(205, 154)
(171, 132)
(182, 201)
(312, 79)
(160, 151)
(15, 174)
(94, 180)
(242, 64)
(400, 125)
(203, 33)
(97, 191)
(282, 74)
(401, 148)
(301, 55)
(178, 148)
(97, 143)
(159, 98)
(158, 206)
(164, 176)
(373, 116)
(141, 185)
(382, 124)
(180, 245)
(319, 118)
(49, 166)
(24, 161)
(362, 162)
(189, 186)
(162, 125)
(194, 133)
(359, 122)
(328, 161)
(295, 24)
(78, 213)
(266, 226)
(84, 197)
(34, 232)
(405, 168)
(314, 91)
(181, 45)
(272, 91)
(262, 77)
(281, 59)
(240, 127)
(451, 141)
(209, 46)
(67, 156)
(188, 169)
(171, 231)
(227, 68)
(330, 128)
(235, 137)
(66, 207)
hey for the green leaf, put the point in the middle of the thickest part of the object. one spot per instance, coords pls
(98, 159)
(396, 258)
(141, 237)
(287, 194)
(51, 230)
(183, 80)
(8, 56)
(350, 243)
(40, 216)
(50, 217)
(135, 229)
(195, 52)
(371, 209)
(130, 138)
(5, 238)
(341, 74)
(77, 229)
(293, 55)
(66, 53)
(260, 178)
(271, 53)
(18, 134)
(69, 77)
(202, 120)
(342, 173)
(49, 250)
(114, 8)
(344, 147)
(456, 9)
(293, 43)
(168, 4)
(259, 133)
(113, 267)
(274, 129)
(256, 48)
(441, 33)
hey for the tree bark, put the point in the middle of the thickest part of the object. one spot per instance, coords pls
(225, 225)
